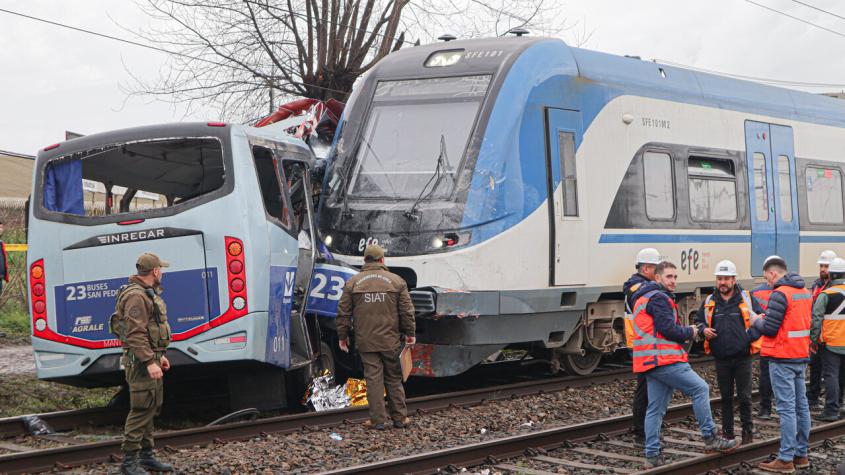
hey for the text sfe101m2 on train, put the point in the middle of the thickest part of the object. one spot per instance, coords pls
(193, 194)
(527, 174)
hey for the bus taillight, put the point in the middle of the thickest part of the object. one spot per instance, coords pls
(236, 276)
(37, 297)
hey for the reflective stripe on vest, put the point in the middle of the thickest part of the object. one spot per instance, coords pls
(798, 333)
(651, 349)
(793, 338)
(746, 309)
(833, 325)
(629, 318)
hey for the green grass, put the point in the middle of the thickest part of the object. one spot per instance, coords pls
(14, 322)
(24, 394)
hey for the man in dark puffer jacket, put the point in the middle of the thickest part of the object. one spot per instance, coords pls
(723, 319)
(786, 343)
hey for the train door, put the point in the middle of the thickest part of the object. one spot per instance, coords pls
(567, 205)
(773, 198)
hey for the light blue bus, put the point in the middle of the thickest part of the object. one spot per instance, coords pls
(230, 208)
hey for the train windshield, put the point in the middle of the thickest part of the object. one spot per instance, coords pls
(416, 129)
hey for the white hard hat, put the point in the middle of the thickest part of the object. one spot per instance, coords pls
(826, 257)
(648, 255)
(837, 265)
(773, 256)
(726, 268)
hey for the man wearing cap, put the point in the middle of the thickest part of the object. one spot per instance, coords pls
(140, 322)
(647, 260)
(828, 335)
(786, 343)
(376, 304)
(814, 388)
(723, 320)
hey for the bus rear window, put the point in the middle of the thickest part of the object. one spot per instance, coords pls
(134, 176)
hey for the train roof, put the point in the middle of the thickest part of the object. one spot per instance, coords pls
(635, 75)
(627, 75)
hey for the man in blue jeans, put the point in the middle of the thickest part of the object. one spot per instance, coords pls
(659, 353)
(786, 344)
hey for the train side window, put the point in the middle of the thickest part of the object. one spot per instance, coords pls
(824, 195)
(566, 142)
(712, 190)
(659, 192)
(785, 185)
(761, 187)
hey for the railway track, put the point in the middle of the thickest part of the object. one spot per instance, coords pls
(63, 421)
(82, 453)
(603, 446)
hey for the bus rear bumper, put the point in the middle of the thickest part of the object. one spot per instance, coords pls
(239, 343)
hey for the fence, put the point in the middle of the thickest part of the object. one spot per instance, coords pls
(13, 217)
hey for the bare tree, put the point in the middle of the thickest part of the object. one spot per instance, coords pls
(229, 54)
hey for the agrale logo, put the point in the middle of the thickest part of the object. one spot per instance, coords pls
(83, 324)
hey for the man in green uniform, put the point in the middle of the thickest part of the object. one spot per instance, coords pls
(377, 305)
(140, 321)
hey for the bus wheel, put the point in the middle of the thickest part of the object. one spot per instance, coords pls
(580, 365)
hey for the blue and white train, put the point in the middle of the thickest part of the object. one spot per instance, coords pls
(513, 180)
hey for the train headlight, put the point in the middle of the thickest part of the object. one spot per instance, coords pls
(328, 240)
(437, 243)
(444, 58)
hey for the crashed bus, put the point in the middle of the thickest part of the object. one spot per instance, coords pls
(230, 207)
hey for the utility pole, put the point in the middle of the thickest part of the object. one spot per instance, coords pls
(269, 81)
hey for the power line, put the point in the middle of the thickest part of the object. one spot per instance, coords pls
(142, 45)
(781, 82)
(797, 18)
(102, 35)
(819, 9)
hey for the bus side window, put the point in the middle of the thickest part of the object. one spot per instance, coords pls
(268, 181)
(294, 179)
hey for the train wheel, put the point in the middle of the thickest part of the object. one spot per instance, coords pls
(580, 364)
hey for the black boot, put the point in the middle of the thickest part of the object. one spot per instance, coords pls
(148, 461)
(130, 464)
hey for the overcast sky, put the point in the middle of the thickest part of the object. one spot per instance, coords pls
(55, 79)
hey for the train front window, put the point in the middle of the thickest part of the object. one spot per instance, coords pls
(413, 125)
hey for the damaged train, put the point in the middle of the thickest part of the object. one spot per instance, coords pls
(513, 180)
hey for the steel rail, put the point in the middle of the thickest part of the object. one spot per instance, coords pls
(491, 452)
(100, 416)
(747, 453)
(63, 457)
(65, 420)
(506, 447)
